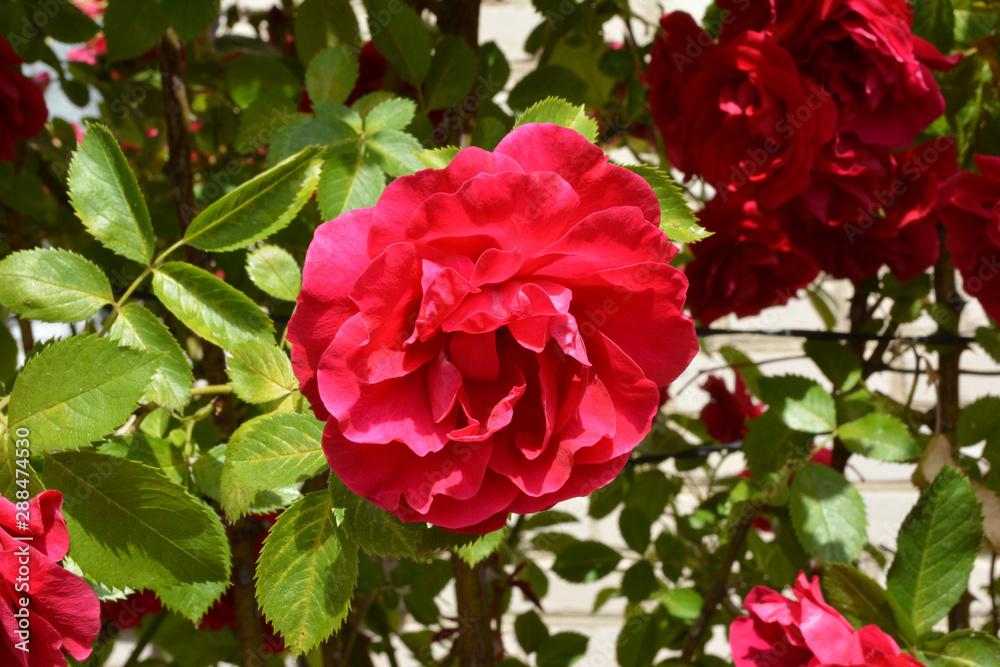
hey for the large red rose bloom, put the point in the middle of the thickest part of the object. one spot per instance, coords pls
(739, 115)
(807, 632)
(489, 338)
(22, 107)
(875, 209)
(970, 210)
(64, 612)
(863, 52)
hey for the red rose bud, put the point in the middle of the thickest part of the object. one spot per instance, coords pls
(490, 337)
(726, 414)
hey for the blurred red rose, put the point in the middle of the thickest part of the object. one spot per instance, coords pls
(807, 632)
(90, 51)
(22, 106)
(490, 337)
(970, 210)
(749, 264)
(726, 414)
(64, 611)
(128, 612)
(93, 8)
(739, 115)
(863, 52)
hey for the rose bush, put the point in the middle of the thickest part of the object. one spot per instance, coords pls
(726, 413)
(806, 632)
(63, 611)
(475, 332)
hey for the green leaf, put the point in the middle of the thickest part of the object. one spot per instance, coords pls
(401, 36)
(207, 472)
(78, 390)
(989, 339)
(937, 547)
(132, 527)
(137, 328)
(260, 372)
(452, 73)
(348, 181)
(259, 207)
(934, 20)
(586, 562)
(438, 158)
(880, 436)
(530, 631)
(963, 648)
(488, 133)
(190, 18)
(306, 573)
(561, 649)
(63, 21)
(208, 306)
(837, 362)
(192, 601)
(270, 452)
(133, 27)
(52, 285)
(682, 603)
(980, 420)
(373, 529)
(275, 271)
(323, 23)
(331, 75)
(393, 114)
(154, 452)
(482, 548)
(395, 152)
(677, 220)
(862, 600)
(635, 528)
(828, 513)
(544, 82)
(769, 443)
(802, 403)
(301, 132)
(639, 582)
(494, 66)
(639, 640)
(255, 75)
(15, 471)
(562, 113)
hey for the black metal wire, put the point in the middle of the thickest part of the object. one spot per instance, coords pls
(695, 452)
(939, 339)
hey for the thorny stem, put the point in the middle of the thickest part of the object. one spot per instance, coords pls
(719, 587)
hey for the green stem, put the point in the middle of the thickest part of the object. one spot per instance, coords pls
(211, 390)
(144, 640)
(124, 297)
